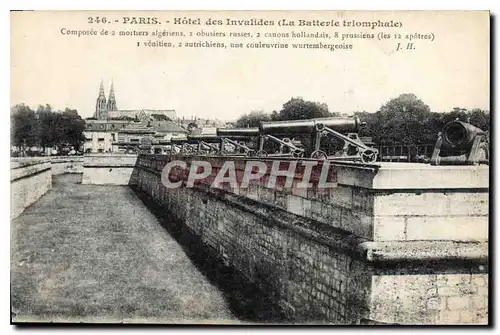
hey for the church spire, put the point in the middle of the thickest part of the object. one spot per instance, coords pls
(112, 92)
(111, 106)
(101, 91)
(100, 106)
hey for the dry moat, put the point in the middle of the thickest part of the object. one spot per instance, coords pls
(97, 254)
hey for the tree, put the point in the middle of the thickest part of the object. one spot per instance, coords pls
(407, 120)
(45, 132)
(46, 128)
(480, 118)
(23, 126)
(299, 109)
(275, 116)
(68, 129)
(400, 121)
(252, 119)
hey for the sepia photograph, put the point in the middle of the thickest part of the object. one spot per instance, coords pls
(250, 167)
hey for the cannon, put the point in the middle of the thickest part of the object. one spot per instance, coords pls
(238, 133)
(238, 139)
(213, 144)
(182, 146)
(161, 146)
(203, 138)
(205, 144)
(340, 124)
(460, 143)
(287, 147)
(353, 150)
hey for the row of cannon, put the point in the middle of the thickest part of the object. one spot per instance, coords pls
(460, 143)
(287, 139)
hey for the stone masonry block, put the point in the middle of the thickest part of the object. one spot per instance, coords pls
(449, 291)
(431, 204)
(483, 291)
(280, 199)
(317, 211)
(328, 214)
(357, 223)
(480, 280)
(295, 205)
(387, 228)
(265, 194)
(461, 228)
(252, 192)
(472, 204)
(458, 302)
(299, 191)
(319, 194)
(341, 196)
(479, 302)
(447, 317)
(307, 204)
(362, 200)
(480, 316)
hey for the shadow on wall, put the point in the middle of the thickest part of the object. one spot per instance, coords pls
(134, 176)
(245, 300)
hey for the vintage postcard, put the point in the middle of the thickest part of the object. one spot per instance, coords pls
(250, 167)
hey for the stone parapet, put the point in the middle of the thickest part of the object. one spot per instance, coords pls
(379, 246)
(29, 180)
(108, 169)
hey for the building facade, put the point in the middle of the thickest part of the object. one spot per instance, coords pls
(106, 109)
(101, 134)
(142, 114)
(113, 130)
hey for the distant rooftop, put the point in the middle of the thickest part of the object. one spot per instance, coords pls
(168, 127)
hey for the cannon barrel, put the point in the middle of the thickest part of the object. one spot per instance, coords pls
(237, 133)
(204, 138)
(459, 135)
(340, 124)
(286, 127)
(178, 140)
(159, 141)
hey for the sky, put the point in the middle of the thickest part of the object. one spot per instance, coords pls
(65, 71)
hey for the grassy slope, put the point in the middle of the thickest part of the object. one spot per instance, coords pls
(95, 253)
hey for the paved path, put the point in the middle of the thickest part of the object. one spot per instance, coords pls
(97, 254)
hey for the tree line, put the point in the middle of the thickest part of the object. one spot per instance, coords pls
(46, 128)
(404, 120)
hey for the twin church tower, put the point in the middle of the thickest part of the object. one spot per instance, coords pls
(102, 107)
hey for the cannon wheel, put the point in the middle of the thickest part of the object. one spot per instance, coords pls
(250, 153)
(261, 153)
(298, 153)
(319, 154)
(368, 156)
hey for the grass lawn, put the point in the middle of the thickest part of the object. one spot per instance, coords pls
(86, 253)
